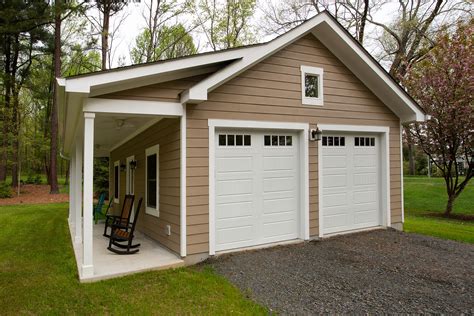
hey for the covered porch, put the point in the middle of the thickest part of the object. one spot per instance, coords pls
(103, 125)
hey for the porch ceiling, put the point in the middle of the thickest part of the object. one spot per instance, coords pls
(111, 130)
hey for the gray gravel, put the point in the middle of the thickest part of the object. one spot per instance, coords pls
(374, 272)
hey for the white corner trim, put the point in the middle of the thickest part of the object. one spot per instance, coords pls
(183, 184)
(384, 132)
(151, 151)
(401, 174)
(133, 107)
(212, 190)
(117, 199)
(319, 72)
(304, 159)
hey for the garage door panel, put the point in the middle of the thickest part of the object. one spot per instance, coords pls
(334, 161)
(279, 205)
(234, 210)
(234, 187)
(257, 191)
(234, 164)
(278, 163)
(350, 184)
(234, 237)
(279, 184)
(336, 199)
(335, 181)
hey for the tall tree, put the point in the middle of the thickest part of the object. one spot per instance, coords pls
(163, 38)
(442, 83)
(226, 23)
(107, 9)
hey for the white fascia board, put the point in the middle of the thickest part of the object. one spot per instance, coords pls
(253, 55)
(133, 107)
(84, 84)
(331, 35)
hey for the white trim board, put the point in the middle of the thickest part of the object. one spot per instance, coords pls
(132, 107)
(303, 129)
(384, 133)
(183, 184)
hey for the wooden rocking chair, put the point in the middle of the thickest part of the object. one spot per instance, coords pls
(124, 234)
(123, 218)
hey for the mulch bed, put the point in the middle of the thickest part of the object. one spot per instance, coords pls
(35, 194)
(376, 272)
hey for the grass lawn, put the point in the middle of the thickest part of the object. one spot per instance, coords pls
(38, 275)
(427, 196)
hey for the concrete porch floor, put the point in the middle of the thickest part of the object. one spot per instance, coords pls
(152, 256)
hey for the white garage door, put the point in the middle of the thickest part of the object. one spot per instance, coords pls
(256, 184)
(351, 182)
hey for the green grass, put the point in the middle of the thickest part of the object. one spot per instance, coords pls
(427, 196)
(38, 275)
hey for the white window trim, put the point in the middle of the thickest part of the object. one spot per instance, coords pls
(301, 128)
(150, 151)
(317, 72)
(385, 168)
(117, 200)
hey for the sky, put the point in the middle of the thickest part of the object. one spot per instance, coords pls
(134, 23)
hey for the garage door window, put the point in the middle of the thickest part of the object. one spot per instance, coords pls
(233, 140)
(278, 140)
(334, 141)
(364, 141)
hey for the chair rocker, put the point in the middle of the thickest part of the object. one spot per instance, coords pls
(123, 218)
(124, 234)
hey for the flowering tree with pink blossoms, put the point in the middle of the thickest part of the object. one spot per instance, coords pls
(443, 85)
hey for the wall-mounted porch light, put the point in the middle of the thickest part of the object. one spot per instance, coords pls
(315, 134)
(123, 167)
(133, 164)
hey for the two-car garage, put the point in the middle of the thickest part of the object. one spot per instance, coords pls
(260, 178)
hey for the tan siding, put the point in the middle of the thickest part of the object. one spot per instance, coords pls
(166, 133)
(271, 91)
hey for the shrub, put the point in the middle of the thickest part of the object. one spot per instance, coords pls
(5, 190)
(38, 179)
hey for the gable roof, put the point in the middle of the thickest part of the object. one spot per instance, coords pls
(224, 65)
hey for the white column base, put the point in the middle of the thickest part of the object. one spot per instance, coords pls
(87, 271)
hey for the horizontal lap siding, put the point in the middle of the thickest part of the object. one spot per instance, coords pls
(271, 91)
(166, 133)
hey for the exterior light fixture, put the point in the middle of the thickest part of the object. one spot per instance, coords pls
(123, 167)
(133, 164)
(315, 134)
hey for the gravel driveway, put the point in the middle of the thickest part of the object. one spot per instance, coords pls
(373, 272)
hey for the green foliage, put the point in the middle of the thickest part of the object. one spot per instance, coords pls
(169, 42)
(101, 176)
(226, 24)
(42, 280)
(5, 190)
(425, 199)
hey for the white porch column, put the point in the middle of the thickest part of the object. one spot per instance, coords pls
(72, 191)
(87, 264)
(78, 190)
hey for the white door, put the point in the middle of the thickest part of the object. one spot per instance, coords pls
(257, 188)
(350, 182)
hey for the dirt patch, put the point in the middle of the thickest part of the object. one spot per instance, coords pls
(35, 194)
(376, 272)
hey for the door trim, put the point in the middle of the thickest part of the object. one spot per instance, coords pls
(130, 183)
(383, 132)
(302, 128)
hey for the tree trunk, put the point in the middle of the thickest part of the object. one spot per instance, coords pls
(54, 189)
(105, 36)
(450, 205)
(6, 109)
(16, 141)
